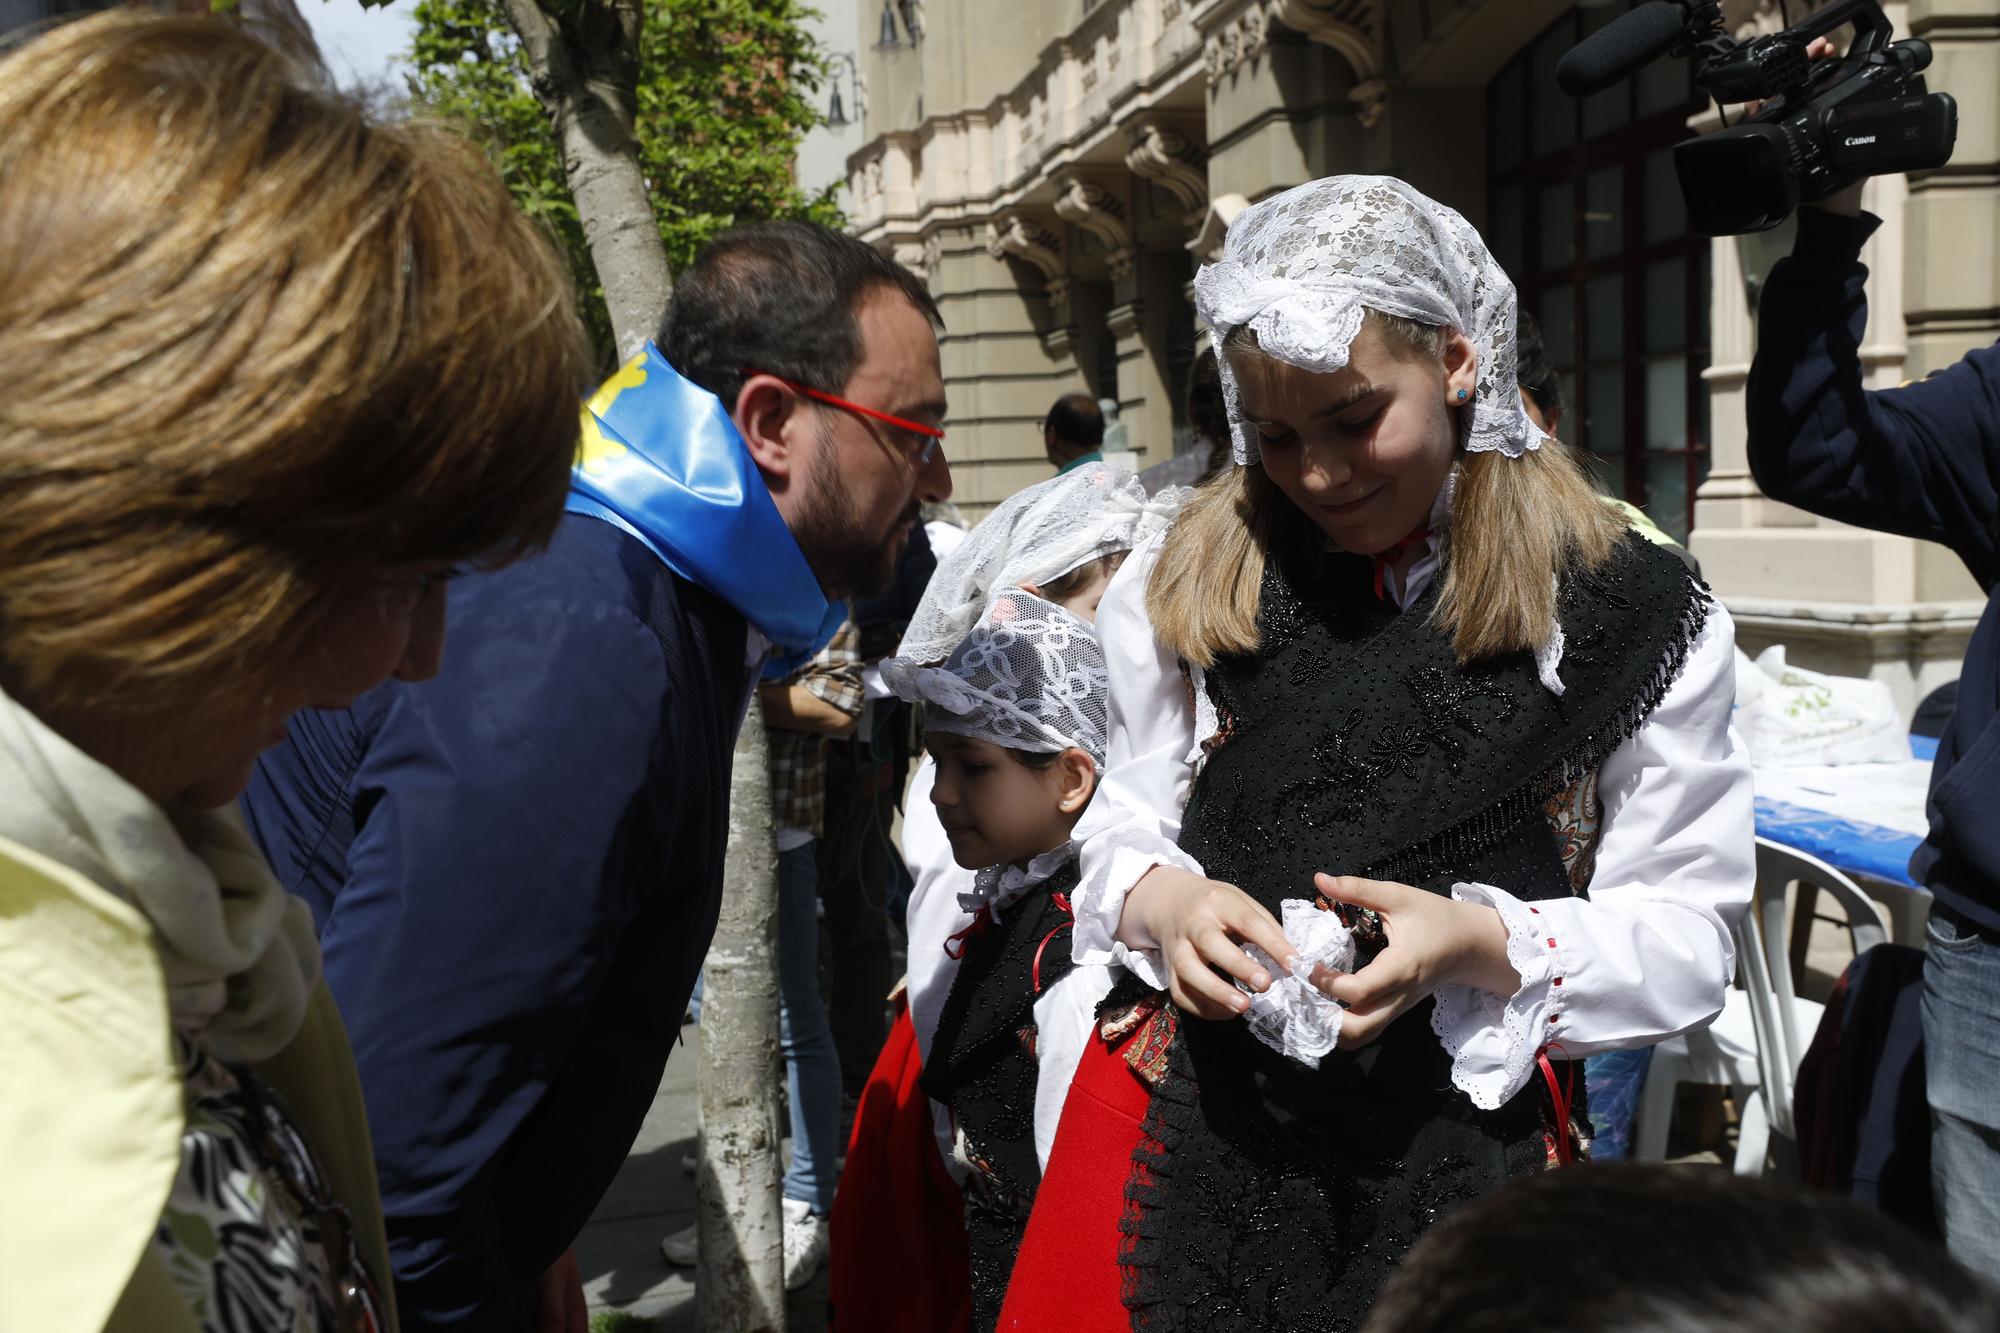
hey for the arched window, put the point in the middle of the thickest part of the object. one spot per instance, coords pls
(1585, 212)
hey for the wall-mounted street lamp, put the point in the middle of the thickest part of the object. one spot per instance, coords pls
(888, 39)
(836, 111)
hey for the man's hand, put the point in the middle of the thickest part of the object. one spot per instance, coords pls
(561, 1298)
(791, 707)
(1846, 201)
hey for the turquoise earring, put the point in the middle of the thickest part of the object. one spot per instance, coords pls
(1461, 395)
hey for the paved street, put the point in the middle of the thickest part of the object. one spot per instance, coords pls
(620, 1249)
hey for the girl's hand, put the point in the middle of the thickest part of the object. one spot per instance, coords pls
(1433, 941)
(1199, 925)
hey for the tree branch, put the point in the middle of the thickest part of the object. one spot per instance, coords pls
(584, 67)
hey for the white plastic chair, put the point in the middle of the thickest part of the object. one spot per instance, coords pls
(1755, 1044)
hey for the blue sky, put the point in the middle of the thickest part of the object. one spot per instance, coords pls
(360, 44)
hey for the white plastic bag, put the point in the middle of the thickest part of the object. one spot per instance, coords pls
(1788, 715)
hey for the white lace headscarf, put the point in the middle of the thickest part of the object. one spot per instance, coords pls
(1034, 536)
(1302, 268)
(1029, 677)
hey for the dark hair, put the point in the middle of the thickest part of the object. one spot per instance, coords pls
(1532, 368)
(779, 297)
(1077, 421)
(1058, 589)
(1038, 760)
(1208, 413)
(1681, 1249)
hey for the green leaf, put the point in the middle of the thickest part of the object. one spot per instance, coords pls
(723, 99)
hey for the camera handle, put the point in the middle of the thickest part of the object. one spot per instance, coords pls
(1871, 26)
(1774, 65)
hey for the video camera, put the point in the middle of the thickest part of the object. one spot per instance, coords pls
(1824, 123)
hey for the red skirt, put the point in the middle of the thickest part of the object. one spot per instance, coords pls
(900, 1262)
(1067, 1275)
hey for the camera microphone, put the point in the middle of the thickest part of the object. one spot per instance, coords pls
(1621, 48)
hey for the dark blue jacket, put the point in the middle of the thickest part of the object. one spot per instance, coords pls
(1923, 461)
(515, 869)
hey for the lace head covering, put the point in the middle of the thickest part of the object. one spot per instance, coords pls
(1302, 268)
(1029, 677)
(1035, 536)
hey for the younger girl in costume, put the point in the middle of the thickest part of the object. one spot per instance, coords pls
(1403, 667)
(1062, 539)
(1016, 723)
(899, 1261)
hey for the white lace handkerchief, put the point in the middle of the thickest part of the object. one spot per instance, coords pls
(1294, 1017)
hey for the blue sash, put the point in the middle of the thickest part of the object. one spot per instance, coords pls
(661, 459)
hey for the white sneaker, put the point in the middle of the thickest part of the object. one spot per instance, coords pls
(681, 1249)
(805, 1243)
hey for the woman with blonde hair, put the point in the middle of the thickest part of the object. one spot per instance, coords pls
(1399, 682)
(269, 370)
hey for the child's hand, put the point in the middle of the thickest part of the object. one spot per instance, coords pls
(1433, 941)
(1198, 925)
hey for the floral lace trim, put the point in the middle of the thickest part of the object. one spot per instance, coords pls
(997, 887)
(1548, 658)
(1207, 726)
(1492, 1039)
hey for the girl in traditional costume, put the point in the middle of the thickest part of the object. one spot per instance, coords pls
(1061, 539)
(899, 1262)
(1401, 683)
(1016, 723)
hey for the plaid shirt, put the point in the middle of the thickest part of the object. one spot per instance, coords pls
(798, 758)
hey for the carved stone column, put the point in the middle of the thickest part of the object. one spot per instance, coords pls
(1097, 209)
(1164, 154)
(1018, 235)
(1354, 28)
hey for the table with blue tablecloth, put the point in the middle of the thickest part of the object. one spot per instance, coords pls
(1865, 819)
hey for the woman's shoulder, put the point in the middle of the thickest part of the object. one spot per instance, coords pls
(58, 928)
(92, 1086)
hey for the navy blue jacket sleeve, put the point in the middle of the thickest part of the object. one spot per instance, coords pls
(1922, 460)
(488, 886)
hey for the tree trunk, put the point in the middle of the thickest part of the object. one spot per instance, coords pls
(741, 1281)
(584, 64)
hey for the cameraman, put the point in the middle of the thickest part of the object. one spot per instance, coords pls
(1923, 461)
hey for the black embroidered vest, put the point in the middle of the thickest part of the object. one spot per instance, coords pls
(1266, 1195)
(983, 1066)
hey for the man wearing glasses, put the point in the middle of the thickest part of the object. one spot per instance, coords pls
(516, 868)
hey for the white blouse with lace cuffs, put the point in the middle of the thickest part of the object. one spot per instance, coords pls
(1647, 956)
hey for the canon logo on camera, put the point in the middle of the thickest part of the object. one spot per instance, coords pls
(1858, 140)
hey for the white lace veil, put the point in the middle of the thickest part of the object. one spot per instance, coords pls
(1034, 536)
(1302, 268)
(1029, 677)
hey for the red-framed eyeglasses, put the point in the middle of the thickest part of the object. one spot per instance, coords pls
(932, 436)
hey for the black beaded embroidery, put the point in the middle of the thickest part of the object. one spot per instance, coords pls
(982, 1065)
(1264, 1195)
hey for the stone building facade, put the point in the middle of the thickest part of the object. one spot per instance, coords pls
(1057, 169)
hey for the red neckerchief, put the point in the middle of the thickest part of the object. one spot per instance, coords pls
(1384, 559)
